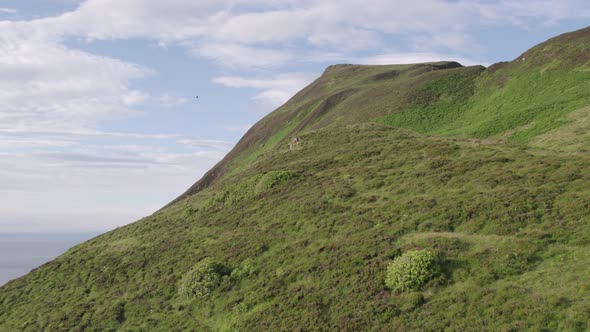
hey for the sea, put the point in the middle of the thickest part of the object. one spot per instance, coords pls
(22, 252)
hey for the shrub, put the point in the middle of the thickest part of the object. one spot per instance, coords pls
(202, 279)
(410, 271)
(240, 307)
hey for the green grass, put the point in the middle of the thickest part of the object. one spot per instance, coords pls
(305, 235)
(438, 103)
(503, 221)
(281, 136)
(538, 100)
(520, 100)
(529, 103)
(572, 137)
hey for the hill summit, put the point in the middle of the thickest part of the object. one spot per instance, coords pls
(423, 197)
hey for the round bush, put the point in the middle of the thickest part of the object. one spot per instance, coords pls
(410, 271)
(202, 279)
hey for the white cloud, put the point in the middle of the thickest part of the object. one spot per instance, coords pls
(414, 57)
(531, 13)
(46, 85)
(239, 129)
(134, 97)
(274, 97)
(69, 184)
(240, 56)
(81, 133)
(280, 81)
(169, 101)
(263, 33)
(276, 90)
(207, 143)
(8, 10)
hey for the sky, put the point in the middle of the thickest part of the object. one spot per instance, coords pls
(99, 120)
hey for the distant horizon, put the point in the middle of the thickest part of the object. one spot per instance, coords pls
(53, 233)
(31, 250)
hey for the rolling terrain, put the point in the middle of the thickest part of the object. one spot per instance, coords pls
(486, 168)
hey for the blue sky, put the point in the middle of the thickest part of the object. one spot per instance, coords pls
(99, 124)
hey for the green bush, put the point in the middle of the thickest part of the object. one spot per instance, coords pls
(410, 271)
(202, 279)
(240, 307)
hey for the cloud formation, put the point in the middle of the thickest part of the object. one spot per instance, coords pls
(60, 181)
(47, 85)
(235, 31)
(8, 11)
(168, 101)
(275, 90)
(242, 35)
(415, 57)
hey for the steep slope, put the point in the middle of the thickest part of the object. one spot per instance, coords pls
(516, 100)
(344, 94)
(301, 236)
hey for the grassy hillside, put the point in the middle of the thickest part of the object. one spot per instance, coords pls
(509, 226)
(516, 100)
(343, 95)
(510, 101)
(485, 170)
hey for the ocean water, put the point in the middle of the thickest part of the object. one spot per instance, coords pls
(20, 253)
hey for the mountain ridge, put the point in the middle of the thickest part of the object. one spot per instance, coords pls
(553, 48)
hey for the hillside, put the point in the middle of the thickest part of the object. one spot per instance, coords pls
(486, 168)
(515, 101)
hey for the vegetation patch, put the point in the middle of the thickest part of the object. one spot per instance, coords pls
(507, 224)
(438, 102)
(411, 271)
(203, 279)
(272, 179)
(518, 101)
(247, 268)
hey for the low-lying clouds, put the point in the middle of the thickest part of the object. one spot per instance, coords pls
(275, 90)
(60, 182)
(415, 57)
(243, 57)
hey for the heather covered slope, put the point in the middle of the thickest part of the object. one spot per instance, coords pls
(509, 225)
(344, 94)
(486, 168)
